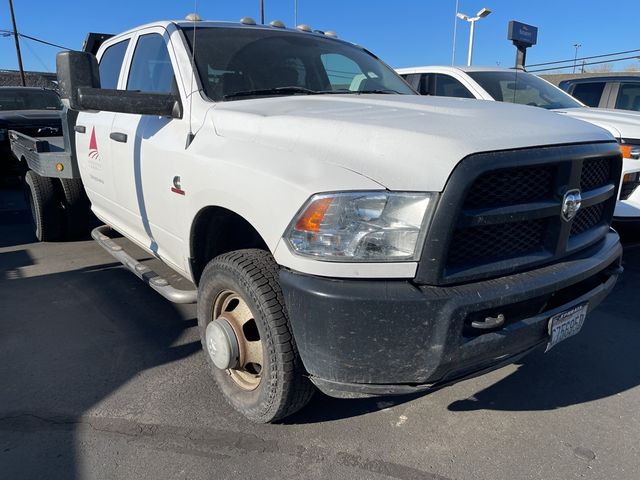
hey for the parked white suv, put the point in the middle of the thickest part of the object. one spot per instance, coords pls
(343, 232)
(515, 86)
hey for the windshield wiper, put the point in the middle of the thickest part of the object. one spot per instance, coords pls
(386, 91)
(272, 91)
(358, 92)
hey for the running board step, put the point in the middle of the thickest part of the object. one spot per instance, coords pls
(144, 273)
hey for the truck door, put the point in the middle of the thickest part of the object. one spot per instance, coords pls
(148, 153)
(92, 139)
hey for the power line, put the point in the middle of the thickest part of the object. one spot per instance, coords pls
(36, 39)
(584, 64)
(571, 60)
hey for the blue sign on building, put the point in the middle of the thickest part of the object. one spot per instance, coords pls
(523, 34)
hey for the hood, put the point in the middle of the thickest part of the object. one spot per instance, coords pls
(621, 124)
(29, 117)
(403, 142)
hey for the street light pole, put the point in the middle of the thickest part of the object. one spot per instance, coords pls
(472, 20)
(577, 45)
(471, 32)
(455, 31)
(262, 12)
(15, 36)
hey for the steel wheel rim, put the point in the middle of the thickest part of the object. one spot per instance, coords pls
(231, 307)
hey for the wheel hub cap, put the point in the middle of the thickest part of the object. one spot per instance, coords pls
(222, 344)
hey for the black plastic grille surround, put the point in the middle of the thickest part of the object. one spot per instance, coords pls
(482, 243)
(500, 212)
(587, 218)
(514, 185)
(596, 172)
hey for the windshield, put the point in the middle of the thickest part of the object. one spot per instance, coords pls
(235, 63)
(18, 99)
(523, 88)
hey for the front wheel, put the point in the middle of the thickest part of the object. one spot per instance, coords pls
(245, 332)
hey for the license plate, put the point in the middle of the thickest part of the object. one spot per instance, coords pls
(566, 324)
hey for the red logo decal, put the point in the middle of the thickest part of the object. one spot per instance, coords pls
(176, 186)
(93, 145)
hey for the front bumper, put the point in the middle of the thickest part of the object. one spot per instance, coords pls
(380, 337)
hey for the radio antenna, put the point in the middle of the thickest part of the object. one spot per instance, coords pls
(194, 17)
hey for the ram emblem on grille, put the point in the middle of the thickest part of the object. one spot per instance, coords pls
(571, 204)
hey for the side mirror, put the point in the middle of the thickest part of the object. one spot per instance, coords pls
(75, 70)
(79, 84)
(125, 101)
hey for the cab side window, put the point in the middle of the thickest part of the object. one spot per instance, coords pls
(589, 93)
(412, 79)
(151, 69)
(111, 64)
(447, 86)
(629, 96)
(424, 87)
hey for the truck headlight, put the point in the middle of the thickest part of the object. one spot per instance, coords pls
(362, 226)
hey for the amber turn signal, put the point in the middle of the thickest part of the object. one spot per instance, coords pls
(311, 219)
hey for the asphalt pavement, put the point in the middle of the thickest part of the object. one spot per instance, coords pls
(100, 377)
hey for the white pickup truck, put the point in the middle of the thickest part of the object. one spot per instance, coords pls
(516, 86)
(342, 232)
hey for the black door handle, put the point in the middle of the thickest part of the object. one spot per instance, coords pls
(80, 128)
(118, 137)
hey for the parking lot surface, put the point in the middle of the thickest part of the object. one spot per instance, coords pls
(100, 377)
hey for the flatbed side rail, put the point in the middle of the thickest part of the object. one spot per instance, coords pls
(50, 156)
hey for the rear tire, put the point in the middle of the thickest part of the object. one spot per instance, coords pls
(251, 278)
(76, 208)
(46, 213)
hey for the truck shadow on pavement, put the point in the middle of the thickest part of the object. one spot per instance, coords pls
(67, 341)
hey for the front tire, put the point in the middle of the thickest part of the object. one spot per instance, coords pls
(267, 381)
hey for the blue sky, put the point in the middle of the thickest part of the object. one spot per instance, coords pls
(401, 32)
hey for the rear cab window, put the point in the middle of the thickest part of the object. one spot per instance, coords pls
(111, 64)
(26, 99)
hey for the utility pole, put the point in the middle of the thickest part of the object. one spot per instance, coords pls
(575, 58)
(262, 12)
(295, 13)
(15, 36)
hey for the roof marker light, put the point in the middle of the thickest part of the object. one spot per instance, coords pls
(278, 24)
(331, 34)
(304, 28)
(193, 17)
(247, 21)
